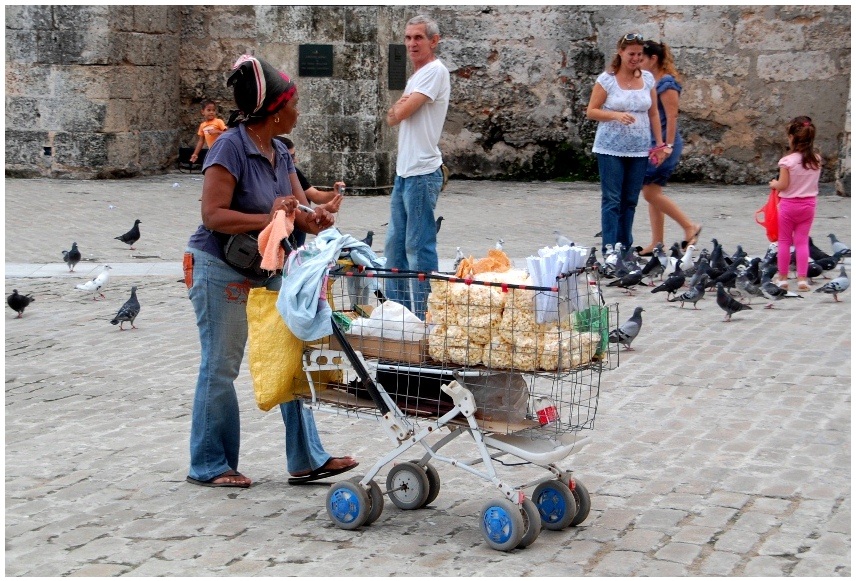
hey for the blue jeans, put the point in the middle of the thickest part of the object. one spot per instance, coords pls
(219, 297)
(411, 240)
(620, 184)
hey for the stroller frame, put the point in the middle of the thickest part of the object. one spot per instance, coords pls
(514, 520)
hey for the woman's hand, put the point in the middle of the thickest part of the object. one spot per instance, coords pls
(333, 205)
(322, 218)
(624, 118)
(663, 155)
(315, 222)
(285, 203)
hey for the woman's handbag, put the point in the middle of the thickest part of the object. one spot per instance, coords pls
(241, 251)
(768, 216)
(276, 354)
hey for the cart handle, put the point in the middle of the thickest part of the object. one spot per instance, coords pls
(358, 366)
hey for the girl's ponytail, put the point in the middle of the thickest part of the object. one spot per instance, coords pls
(802, 131)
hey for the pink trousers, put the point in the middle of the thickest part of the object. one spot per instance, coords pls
(795, 218)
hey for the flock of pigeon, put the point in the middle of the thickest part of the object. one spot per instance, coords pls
(728, 274)
(127, 312)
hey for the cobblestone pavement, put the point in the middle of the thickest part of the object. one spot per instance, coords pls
(719, 448)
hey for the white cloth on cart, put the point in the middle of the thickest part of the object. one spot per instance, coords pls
(301, 302)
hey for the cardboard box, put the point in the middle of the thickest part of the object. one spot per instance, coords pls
(389, 349)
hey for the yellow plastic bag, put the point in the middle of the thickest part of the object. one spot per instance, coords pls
(276, 354)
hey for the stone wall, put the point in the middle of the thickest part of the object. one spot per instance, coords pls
(91, 91)
(523, 76)
(116, 90)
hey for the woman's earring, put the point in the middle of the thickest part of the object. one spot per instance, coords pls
(276, 119)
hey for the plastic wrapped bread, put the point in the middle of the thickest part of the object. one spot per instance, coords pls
(498, 327)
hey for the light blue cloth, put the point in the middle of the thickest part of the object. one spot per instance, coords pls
(299, 301)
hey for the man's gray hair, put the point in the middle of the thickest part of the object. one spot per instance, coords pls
(431, 27)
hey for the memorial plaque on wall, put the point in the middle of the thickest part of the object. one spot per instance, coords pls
(315, 60)
(397, 79)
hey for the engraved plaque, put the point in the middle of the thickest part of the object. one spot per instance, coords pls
(397, 79)
(315, 60)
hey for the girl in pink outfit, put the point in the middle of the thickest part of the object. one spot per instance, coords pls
(799, 174)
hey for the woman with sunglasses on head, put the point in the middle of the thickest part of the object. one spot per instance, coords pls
(624, 103)
(249, 176)
(657, 59)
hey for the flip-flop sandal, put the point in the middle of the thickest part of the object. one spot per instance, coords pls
(320, 473)
(212, 484)
(692, 240)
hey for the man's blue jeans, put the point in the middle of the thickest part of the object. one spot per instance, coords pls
(411, 240)
(620, 183)
(219, 296)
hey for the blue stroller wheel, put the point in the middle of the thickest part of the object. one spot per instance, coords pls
(502, 524)
(348, 505)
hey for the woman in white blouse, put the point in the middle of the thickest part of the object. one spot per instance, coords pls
(624, 102)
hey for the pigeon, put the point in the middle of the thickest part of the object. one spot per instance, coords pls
(459, 257)
(727, 278)
(753, 271)
(128, 312)
(97, 284)
(727, 303)
(499, 244)
(814, 270)
(628, 281)
(747, 286)
(628, 331)
(738, 255)
(687, 259)
(692, 295)
(701, 269)
(20, 302)
(773, 292)
(814, 252)
(717, 260)
(439, 223)
(837, 285)
(652, 269)
(369, 238)
(838, 246)
(562, 240)
(591, 261)
(131, 236)
(828, 262)
(672, 284)
(71, 257)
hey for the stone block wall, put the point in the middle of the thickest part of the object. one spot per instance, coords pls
(91, 91)
(115, 90)
(522, 76)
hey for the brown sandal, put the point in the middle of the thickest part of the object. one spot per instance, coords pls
(233, 479)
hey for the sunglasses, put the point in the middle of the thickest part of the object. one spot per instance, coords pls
(632, 37)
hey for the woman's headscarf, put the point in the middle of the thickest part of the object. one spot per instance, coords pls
(259, 89)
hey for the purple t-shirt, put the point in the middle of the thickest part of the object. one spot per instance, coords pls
(258, 184)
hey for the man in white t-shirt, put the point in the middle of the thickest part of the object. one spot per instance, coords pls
(411, 240)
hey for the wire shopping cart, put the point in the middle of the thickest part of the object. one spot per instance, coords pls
(516, 368)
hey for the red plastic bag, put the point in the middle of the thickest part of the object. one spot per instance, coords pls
(768, 216)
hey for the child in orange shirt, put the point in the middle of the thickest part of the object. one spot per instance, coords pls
(209, 130)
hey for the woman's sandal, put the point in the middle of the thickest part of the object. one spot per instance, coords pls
(229, 479)
(803, 287)
(692, 240)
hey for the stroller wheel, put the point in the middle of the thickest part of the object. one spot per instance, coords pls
(407, 485)
(502, 524)
(531, 522)
(348, 505)
(555, 503)
(376, 498)
(583, 500)
(433, 482)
